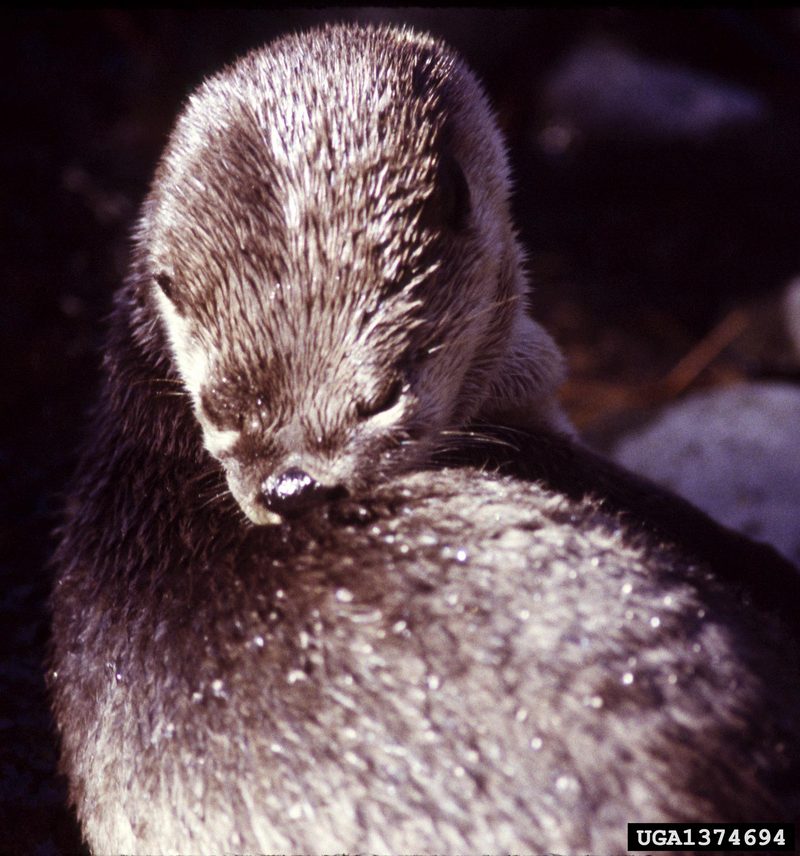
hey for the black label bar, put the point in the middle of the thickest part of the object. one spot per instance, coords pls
(744, 837)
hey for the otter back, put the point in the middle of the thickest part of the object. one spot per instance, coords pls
(461, 663)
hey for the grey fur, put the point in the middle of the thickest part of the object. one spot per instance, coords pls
(460, 664)
(451, 661)
(330, 221)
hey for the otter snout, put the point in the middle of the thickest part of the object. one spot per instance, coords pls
(294, 491)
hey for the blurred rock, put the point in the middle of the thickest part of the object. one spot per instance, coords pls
(769, 347)
(791, 314)
(735, 453)
(604, 92)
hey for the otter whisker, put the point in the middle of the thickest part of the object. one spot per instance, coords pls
(215, 498)
(472, 437)
(162, 394)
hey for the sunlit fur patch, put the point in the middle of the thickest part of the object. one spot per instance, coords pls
(219, 443)
(193, 363)
(190, 357)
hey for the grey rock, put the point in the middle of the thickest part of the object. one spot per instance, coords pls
(735, 453)
(602, 90)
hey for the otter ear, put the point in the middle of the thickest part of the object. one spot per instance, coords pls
(449, 206)
(456, 203)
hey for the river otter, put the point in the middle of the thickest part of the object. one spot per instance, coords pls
(445, 660)
(329, 246)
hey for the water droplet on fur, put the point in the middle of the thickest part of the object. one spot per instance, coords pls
(369, 616)
(567, 785)
(461, 556)
(536, 743)
(344, 595)
(433, 682)
(655, 621)
(627, 678)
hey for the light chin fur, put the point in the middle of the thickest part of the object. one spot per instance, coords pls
(252, 510)
(260, 516)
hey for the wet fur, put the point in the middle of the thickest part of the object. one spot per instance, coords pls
(460, 663)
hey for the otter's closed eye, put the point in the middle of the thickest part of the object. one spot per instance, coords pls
(222, 414)
(385, 400)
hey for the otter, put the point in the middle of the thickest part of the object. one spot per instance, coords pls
(329, 247)
(433, 658)
(457, 662)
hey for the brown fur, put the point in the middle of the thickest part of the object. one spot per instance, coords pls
(331, 218)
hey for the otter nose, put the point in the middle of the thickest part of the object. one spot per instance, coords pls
(294, 491)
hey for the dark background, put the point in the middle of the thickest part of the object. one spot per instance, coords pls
(657, 256)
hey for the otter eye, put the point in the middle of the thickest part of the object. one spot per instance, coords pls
(221, 413)
(385, 401)
(164, 282)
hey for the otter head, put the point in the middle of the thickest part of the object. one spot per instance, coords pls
(329, 247)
